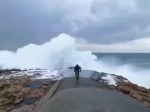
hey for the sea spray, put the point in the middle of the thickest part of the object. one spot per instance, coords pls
(61, 52)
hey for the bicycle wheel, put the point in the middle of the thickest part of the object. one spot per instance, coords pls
(77, 76)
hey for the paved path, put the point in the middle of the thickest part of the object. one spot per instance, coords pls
(68, 83)
(88, 96)
(83, 73)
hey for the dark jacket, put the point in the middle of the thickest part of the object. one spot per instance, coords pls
(77, 68)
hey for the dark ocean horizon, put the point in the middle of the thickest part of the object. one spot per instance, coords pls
(141, 60)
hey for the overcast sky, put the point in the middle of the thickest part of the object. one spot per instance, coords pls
(99, 22)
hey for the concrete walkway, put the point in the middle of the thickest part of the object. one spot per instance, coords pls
(88, 96)
(69, 83)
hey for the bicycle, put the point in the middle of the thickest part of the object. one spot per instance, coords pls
(77, 76)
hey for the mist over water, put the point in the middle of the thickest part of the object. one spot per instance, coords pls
(61, 52)
(134, 73)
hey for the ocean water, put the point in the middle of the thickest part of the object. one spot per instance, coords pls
(138, 60)
(134, 66)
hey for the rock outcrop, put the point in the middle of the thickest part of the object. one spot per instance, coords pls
(140, 93)
(18, 91)
(123, 84)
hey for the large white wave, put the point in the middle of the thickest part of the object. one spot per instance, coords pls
(61, 52)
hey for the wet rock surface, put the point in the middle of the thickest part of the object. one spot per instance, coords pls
(140, 93)
(124, 85)
(20, 93)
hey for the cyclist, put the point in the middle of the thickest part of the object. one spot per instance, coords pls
(77, 69)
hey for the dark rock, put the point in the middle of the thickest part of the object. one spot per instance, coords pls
(18, 100)
(36, 94)
(25, 108)
(3, 86)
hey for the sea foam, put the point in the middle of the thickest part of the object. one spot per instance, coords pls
(61, 52)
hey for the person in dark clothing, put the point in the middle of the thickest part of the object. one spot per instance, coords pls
(77, 69)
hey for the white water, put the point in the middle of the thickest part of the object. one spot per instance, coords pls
(61, 52)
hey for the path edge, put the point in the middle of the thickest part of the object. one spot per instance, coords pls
(48, 96)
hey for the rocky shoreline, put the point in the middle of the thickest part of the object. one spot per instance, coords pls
(139, 93)
(21, 91)
(122, 84)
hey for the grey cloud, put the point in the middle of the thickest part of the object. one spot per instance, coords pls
(25, 22)
(36, 21)
(122, 23)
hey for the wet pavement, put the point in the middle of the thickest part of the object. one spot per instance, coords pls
(90, 96)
